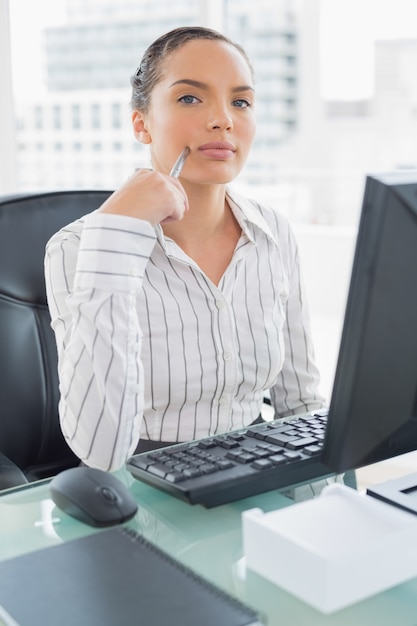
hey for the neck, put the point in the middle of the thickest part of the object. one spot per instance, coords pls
(208, 233)
(207, 214)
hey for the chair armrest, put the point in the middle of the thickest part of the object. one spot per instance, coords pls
(10, 474)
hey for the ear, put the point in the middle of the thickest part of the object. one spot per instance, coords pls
(139, 128)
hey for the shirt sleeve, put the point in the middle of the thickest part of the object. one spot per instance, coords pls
(94, 270)
(297, 386)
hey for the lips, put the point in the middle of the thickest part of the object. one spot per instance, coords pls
(218, 149)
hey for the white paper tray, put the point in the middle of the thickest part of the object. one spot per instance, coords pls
(334, 550)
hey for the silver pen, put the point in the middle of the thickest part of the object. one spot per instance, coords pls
(179, 163)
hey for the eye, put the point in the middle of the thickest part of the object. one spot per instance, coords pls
(188, 99)
(241, 103)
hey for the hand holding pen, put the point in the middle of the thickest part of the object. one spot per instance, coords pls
(151, 196)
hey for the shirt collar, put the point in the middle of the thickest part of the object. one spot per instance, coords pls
(246, 212)
(249, 216)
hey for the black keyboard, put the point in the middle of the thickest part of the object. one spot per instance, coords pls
(220, 469)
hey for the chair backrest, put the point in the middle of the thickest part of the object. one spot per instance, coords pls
(30, 434)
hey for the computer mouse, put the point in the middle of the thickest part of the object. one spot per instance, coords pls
(92, 496)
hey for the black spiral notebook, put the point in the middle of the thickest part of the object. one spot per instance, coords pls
(112, 578)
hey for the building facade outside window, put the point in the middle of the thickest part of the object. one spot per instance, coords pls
(316, 140)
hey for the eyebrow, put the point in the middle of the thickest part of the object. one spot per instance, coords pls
(200, 85)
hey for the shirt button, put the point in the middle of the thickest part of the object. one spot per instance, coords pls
(227, 356)
(224, 400)
(220, 303)
(133, 271)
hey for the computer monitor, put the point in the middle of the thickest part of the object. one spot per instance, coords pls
(373, 408)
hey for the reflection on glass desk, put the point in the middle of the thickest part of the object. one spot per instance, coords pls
(208, 541)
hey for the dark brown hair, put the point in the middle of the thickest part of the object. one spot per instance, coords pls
(150, 70)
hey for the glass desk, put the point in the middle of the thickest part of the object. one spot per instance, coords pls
(208, 541)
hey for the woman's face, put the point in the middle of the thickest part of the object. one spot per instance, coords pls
(205, 100)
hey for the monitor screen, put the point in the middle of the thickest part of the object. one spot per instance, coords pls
(373, 408)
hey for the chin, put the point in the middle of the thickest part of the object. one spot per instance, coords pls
(221, 178)
(218, 180)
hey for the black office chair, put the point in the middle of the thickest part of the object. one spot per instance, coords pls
(31, 443)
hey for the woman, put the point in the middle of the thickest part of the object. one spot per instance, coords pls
(178, 303)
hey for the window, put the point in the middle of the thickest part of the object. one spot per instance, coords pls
(56, 117)
(95, 116)
(116, 115)
(336, 98)
(76, 116)
(38, 114)
(318, 97)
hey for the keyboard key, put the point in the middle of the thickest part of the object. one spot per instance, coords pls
(277, 459)
(228, 444)
(157, 470)
(263, 445)
(173, 462)
(201, 454)
(314, 422)
(274, 449)
(174, 477)
(283, 428)
(281, 440)
(312, 450)
(301, 443)
(232, 454)
(292, 455)
(224, 464)
(154, 456)
(262, 464)
(237, 436)
(141, 463)
(206, 445)
(195, 462)
(261, 453)
(212, 458)
(259, 432)
(178, 467)
(192, 472)
(208, 468)
(244, 457)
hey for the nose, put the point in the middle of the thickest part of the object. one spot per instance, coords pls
(220, 119)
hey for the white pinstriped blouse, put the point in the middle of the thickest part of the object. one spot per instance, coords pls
(148, 346)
